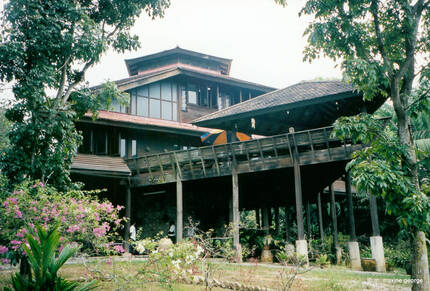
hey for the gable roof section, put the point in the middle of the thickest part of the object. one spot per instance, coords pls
(144, 79)
(293, 96)
(174, 51)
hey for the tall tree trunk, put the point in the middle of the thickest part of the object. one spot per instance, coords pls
(420, 269)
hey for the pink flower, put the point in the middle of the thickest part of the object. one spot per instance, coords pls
(13, 200)
(5, 261)
(31, 225)
(98, 232)
(19, 234)
(18, 213)
(119, 249)
(3, 249)
(6, 203)
(41, 184)
(118, 221)
(119, 207)
(15, 242)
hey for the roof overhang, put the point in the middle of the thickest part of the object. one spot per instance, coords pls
(102, 166)
(143, 123)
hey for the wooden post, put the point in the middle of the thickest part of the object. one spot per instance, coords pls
(257, 217)
(265, 214)
(334, 220)
(308, 219)
(179, 208)
(230, 210)
(287, 224)
(236, 214)
(352, 235)
(333, 215)
(127, 215)
(320, 217)
(374, 215)
(298, 193)
(269, 212)
(277, 229)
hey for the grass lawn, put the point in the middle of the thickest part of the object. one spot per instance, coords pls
(124, 276)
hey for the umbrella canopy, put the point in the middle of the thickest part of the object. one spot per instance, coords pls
(223, 137)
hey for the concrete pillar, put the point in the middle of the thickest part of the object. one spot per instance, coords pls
(320, 217)
(353, 248)
(179, 209)
(236, 215)
(334, 223)
(269, 212)
(377, 249)
(354, 255)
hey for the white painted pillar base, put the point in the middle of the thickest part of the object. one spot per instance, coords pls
(354, 256)
(377, 248)
(338, 255)
(302, 249)
(238, 253)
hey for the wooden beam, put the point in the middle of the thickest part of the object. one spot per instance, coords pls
(236, 214)
(179, 208)
(374, 215)
(257, 217)
(333, 215)
(320, 218)
(351, 220)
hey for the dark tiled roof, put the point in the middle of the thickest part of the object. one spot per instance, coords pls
(149, 122)
(295, 94)
(100, 164)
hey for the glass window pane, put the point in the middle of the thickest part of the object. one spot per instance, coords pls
(175, 92)
(166, 91)
(143, 91)
(142, 106)
(183, 99)
(122, 147)
(192, 97)
(154, 90)
(166, 110)
(154, 106)
(133, 104)
(116, 106)
(133, 148)
(175, 112)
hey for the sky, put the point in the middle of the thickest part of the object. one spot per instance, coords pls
(264, 39)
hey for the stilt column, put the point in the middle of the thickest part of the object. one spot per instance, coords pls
(334, 223)
(179, 209)
(301, 244)
(277, 228)
(265, 214)
(353, 248)
(236, 215)
(376, 244)
(308, 218)
(320, 217)
(127, 215)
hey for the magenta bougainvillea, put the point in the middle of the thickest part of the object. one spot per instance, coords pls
(83, 219)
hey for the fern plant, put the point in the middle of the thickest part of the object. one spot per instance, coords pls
(44, 264)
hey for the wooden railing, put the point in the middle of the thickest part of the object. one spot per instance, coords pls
(313, 146)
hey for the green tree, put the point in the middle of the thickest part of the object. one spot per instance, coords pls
(377, 44)
(5, 126)
(46, 49)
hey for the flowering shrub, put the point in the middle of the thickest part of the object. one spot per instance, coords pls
(174, 263)
(82, 219)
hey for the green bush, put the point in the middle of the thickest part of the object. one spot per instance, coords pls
(44, 266)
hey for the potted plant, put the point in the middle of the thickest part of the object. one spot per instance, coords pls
(266, 255)
(323, 261)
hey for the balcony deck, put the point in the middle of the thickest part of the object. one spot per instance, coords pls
(275, 152)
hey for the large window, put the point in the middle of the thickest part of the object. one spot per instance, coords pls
(157, 100)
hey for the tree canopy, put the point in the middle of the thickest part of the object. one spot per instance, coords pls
(46, 49)
(377, 45)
